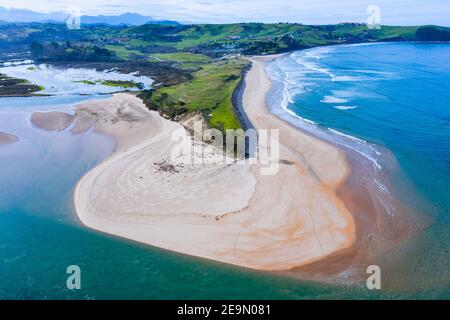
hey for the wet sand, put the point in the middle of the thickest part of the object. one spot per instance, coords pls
(6, 138)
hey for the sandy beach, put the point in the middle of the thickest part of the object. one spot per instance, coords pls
(6, 138)
(228, 213)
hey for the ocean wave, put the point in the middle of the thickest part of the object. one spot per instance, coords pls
(365, 44)
(373, 72)
(381, 186)
(361, 146)
(316, 53)
(290, 87)
(284, 96)
(345, 93)
(347, 78)
(314, 67)
(345, 107)
(333, 99)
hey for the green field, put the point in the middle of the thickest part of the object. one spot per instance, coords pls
(122, 52)
(182, 57)
(268, 37)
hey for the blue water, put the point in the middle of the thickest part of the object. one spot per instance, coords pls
(394, 98)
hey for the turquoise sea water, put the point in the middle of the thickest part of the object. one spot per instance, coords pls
(40, 235)
(383, 99)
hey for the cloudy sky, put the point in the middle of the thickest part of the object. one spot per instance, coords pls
(393, 12)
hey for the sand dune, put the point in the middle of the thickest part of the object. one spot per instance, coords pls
(229, 213)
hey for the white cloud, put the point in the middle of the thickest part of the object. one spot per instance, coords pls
(404, 12)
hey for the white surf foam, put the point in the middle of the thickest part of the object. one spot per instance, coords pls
(281, 109)
(316, 68)
(333, 99)
(344, 108)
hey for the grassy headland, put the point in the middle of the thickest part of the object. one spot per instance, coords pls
(209, 92)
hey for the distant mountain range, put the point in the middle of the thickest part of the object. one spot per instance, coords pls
(24, 15)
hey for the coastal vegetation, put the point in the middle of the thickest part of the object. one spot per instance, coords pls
(196, 68)
(122, 84)
(114, 83)
(87, 82)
